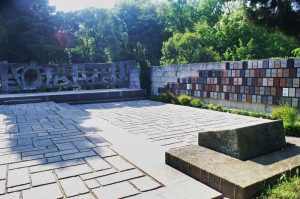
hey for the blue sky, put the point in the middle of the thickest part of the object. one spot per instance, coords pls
(74, 5)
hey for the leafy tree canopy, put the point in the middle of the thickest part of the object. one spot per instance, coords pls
(281, 14)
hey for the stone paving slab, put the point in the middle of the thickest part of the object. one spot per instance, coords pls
(102, 147)
(46, 153)
(168, 125)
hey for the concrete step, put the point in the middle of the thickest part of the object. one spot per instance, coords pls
(75, 97)
(22, 101)
(107, 100)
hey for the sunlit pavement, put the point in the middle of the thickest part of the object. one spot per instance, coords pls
(105, 150)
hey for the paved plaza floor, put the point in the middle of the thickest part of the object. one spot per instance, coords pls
(104, 150)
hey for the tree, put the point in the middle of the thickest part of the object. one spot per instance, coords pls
(28, 32)
(187, 48)
(143, 28)
(275, 14)
(100, 38)
(179, 15)
(231, 38)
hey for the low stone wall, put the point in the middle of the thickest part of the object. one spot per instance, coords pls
(254, 84)
(16, 77)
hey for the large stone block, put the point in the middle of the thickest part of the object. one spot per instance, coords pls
(232, 177)
(245, 142)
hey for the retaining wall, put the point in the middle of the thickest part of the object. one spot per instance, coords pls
(253, 84)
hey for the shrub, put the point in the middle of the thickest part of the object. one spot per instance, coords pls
(244, 112)
(175, 100)
(218, 107)
(254, 113)
(210, 106)
(165, 98)
(154, 97)
(184, 100)
(292, 130)
(234, 111)
(287, 113)
(168, 98)
(264, 115)
(225, 110)
(204, 106)
(197, 103)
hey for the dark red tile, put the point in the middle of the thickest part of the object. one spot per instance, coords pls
(282, 82)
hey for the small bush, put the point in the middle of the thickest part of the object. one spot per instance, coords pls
(287, 113)
(168, 98)
(210, 106)
(218, 107)
(184, 100)
(254, 113)
(264, 115)
(225, 110)
(244, 112)
(197, 103)
(175, 100)
(292, 130)
(154, 97)
(204, 106)
(234, 111)
(165, 98)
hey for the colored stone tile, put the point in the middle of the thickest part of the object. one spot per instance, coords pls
(265, 63)
(283, 63)
(285, 92)
(297, 92)
(286, 72)
(265, 82)
(289, 82)
(271, 63)
(254, 98)
(297, 62)
(273, 72)
(290, 63)
(267, 91)
(279, 72)
(292, 92)
(273, 91)
(277, 63)
(282, 82)
(293, 72)
(295, 102)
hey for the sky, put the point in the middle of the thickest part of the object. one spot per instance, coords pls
(74, 5)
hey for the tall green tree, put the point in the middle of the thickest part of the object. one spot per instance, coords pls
(275, 14)
(187, 48)
(101, 37)
(143, 28)
(28, 32)
(230, 38)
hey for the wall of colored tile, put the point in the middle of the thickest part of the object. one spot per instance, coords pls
(268, 82)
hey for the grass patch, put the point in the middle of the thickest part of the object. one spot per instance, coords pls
(286, 188)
